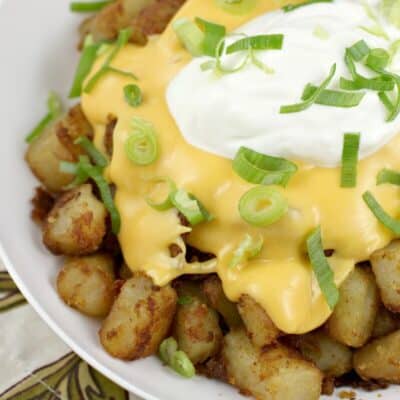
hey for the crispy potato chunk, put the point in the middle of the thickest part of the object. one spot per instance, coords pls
(330, 356)
(86, 283)
(212, 288)
(380, 359)
(197, 330)
(55, 144)
(385, 323)
(353, 319)
(274, 373)
(260, 328)
(76, 224)
(139, 319)
(386, 267)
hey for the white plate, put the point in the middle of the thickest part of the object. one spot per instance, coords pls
(37, 42)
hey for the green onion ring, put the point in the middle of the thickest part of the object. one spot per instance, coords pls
(165, 204)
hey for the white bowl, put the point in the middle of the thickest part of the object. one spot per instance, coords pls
(38, 53)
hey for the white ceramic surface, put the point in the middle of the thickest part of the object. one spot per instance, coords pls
(37, 42)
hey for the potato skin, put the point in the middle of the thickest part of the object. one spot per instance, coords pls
(380, 359)
(331, 357)
(274, 373)
(212, 288)
(76, 224)
(259, 326)
(385, 323)
(197, 330)
(56, 144)
(86, 283)
(386, 267)
(139, 320)
(352, 320)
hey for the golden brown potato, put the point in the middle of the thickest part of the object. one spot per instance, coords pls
(386, 267)
(385, 323)
(353, 319)
(197, 330)
(274, 373)
(331, 357)
(212, 288)
(86, 283)
(55, 144)
(76, 224)
(380, 359)
(139, 320)
(260, 328)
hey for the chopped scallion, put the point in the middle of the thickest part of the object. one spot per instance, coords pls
(334, 98)
(377, 59)
(351, 144)
(91, 6)
(259, 168)
(54, 108)
(388, 176)
(97, 157)
(165, 203)
(213, 33)
(321, 33)
(247, 249)
(359, 50)
(190, 35)
(292, 7)
(292, 108)
(262, 206)
(381, 215)
(258, 42)
(221, 54)
(133, 95)
(322, 270)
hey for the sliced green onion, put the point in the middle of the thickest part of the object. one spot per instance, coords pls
(388, 176)
(123, 38)
(259, 64)
(88, 57)
(68, 167)
(391, 10)
(92, 6)
(292, 108)
(133, 95)
(258, 42)
(351, 145)
(381, 215)
(334, 98)
(259, 168)
(394, 49)
(97, 157)
(185, 300)
(75, 169)
(168, 348)
(190, 35)
(190, 207)
(379, 84)
(322, 270)
(220, 53)
(292, 7)
(166, 203)
(358, 50)
(207, 65)
(248, 248)
(237, 7)
(377, 29)
(122, 72)
(213, 33)
(321, 33)
(378, 59)
(384, 98)
(141, 146)
(262, 206)
(54, 109)
(181, 364)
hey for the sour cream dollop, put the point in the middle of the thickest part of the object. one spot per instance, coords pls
(221, 113)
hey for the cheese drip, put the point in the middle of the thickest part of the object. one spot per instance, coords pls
(280, 278)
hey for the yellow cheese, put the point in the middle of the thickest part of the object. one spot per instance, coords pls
(280, 278)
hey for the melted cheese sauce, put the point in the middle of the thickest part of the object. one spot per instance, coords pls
(281, 278)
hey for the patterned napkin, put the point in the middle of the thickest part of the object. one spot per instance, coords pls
(36, 364)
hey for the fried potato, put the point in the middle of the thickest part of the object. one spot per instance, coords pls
(260, 328)
(274, 373)
(139, 320)
(86, 283)
(76, 224)
(55, 144)
(380, 359)
(386, 267)
(197, 330)
(385, 323)
(331, 357)
(212, 288)
(353, 318)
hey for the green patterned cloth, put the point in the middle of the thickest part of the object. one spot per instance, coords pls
(48, 372)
